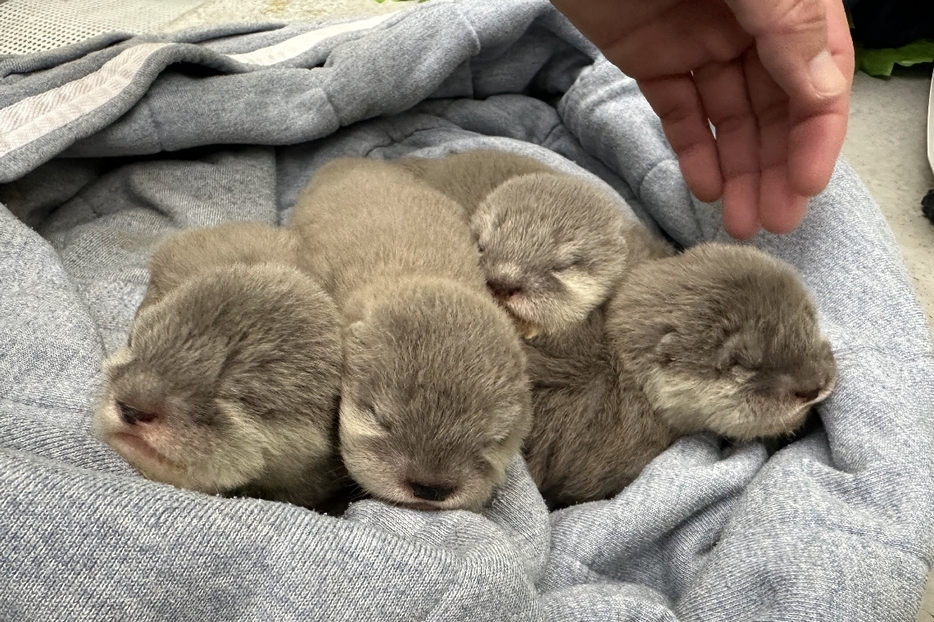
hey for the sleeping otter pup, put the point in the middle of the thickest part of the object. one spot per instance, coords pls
(434, 395)
(721, 338)
(552, 248)
(229, 383)
(552, 245)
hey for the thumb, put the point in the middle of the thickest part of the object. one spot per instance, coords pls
(792, 43)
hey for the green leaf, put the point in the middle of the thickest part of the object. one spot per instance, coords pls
(881, 62)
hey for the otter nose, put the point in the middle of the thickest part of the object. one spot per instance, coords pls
(431, 493)
(132, 415)
(503, 290)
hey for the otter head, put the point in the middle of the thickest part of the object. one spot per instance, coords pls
(435, 399)
(552, 247)
(723, 338)
(231, 379)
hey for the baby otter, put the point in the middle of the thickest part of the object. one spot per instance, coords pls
(552, 248)
(552, 245)
(229, 383)
(435, 399)
(184, 254)
(721, 338)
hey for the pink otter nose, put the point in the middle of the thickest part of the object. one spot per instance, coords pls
(503, 290)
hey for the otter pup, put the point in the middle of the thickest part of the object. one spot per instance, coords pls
(184, 254)
(721, 338)
(229, 383)
(435, 399)
(552, 245)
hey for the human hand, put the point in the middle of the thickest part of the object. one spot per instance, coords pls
(772, 76)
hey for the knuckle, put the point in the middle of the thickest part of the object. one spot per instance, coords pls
(797, 16)
(782, 17)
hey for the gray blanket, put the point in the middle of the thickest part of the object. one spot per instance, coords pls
(110, 144)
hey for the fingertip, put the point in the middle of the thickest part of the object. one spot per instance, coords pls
(676, 102)
(809, 182)
(701, 171)
(741, 208)
(705, 189)
(783, 212)
(741, 231)
(814, 145)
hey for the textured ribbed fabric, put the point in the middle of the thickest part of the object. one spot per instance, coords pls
(107, 145)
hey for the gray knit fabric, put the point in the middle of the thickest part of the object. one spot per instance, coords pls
(109, 144)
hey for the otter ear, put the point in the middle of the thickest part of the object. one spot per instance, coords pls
(743, 348)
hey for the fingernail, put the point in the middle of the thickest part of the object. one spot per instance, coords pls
(825, 76)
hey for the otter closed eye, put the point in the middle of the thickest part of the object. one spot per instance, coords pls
(131, 415)
(567, 263)
(381, 422)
